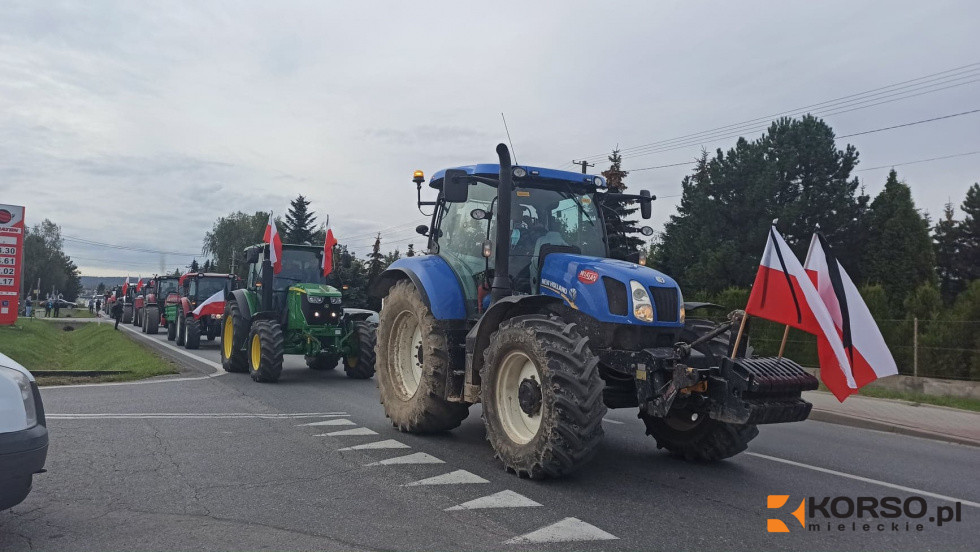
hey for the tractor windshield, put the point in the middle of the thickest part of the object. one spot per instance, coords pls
(167, 287)
(299, 266)
(206, 287)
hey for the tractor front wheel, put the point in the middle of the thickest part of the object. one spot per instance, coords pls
(542, 397)
(234, 331)
(322, 361)
(151, 320)
(192, 333)
(265, 350)
(361, 364)
(694, 436)
(181, 330)
(171, 330)
(413, 361)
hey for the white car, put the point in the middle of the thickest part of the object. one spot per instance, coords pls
(23, 432)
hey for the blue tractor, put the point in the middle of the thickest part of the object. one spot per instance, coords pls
(518, 307)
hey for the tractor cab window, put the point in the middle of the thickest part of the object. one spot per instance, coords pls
(299, 266)
(206, 287)
(461, 240)
(167, 287)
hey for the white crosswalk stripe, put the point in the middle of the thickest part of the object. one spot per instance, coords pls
(337, 422)
(503, 499)
(457, 477)
(416, 458)
(386, 444)
(567, 530)
(347, 432)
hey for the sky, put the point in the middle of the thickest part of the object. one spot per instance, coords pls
(138, 124)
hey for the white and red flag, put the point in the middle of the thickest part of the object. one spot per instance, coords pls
(212, 305)
(139, 285)
(867, 353)
(783, 293)
(125, 287)
(328, 245)
(272, 238)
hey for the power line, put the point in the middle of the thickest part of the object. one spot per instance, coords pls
(662, 166)
(919, 161)
(124, 247)
(911, 124)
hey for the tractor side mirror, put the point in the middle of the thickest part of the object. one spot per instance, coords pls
(645, 200)
(455, 187)
(252, 255)
(646, 231)
(422, 229)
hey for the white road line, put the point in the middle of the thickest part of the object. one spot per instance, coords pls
(567, 530)
(345, 432)
(186, 416)
(337, 422)
(611, 421)
(503, 499)
(458, 477)
(865, 479)
(416, 458)
(378, 445)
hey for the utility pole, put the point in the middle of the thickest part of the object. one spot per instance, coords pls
(585, 165)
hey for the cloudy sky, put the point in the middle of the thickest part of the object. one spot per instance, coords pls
(137, 124)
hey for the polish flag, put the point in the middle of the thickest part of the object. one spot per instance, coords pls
(125, 287)
(783, 293)
(272, 238)
(212, 305)
(328, 244)
(867, 353)
(139, 285)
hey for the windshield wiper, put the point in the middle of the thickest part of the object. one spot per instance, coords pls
(578, 203)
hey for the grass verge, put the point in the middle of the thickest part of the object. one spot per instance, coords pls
(951, 402)
(41, 345)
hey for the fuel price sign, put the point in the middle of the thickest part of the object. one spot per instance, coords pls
(11, 260)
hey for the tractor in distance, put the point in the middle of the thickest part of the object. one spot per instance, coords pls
(139, 302)
(293, 312)
(157, 293)
(518, 307)
(194, 289)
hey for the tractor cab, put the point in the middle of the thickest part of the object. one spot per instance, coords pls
(199, 286)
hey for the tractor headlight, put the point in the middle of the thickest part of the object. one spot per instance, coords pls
(520, 172)
(314, 299)
(335, 300)
(642, 307)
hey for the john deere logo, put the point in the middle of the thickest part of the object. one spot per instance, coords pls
(862, 514)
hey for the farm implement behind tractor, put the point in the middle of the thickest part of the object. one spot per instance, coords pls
(293, 312)
(517, 306)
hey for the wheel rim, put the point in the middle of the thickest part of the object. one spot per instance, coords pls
(406, 343)
(519, 426)
(227, 334)
(256, 352)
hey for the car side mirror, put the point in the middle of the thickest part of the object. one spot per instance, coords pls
(645, 200)
(455, 186)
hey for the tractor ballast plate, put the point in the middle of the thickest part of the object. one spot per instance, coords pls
(759, 391)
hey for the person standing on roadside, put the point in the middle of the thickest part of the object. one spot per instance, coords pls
(98, 305)
(27, 305)
(47, 308)
(117, 313)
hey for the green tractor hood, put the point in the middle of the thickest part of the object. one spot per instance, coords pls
(316, 290)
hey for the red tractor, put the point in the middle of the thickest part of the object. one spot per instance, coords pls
(201, 306)
(152, 301)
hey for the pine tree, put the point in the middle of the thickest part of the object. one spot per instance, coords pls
(299, 225)
(100, 289)
(946, 240)
(969, 236)
(898, 250)
(375, 266)
(411, 250)
(619, 228)
(194, 267)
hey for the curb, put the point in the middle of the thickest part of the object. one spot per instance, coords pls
(865, 423)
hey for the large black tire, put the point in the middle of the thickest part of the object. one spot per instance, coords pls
(322, 361)
(265, 350)
(181, 329)
(151, 320)
(143, 325)
(192, 332)
(361, 365)
(703, 439)
(234, 358)
(171, 330)
(136, 316)
(568, 397)
(127, 314)
(418, 406)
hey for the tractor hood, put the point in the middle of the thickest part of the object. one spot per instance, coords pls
(602, 289)
(316, 290)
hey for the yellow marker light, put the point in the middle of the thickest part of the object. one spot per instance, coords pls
(418, 177)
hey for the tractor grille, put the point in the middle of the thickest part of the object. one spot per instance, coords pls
(616, 294)
(322, 314)
(665, 300)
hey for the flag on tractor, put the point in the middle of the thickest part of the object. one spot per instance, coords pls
(212, 305)
(125, 287)
(272, 238)
(328, 245)
(867, 353)
(783, 293)
(139, 285)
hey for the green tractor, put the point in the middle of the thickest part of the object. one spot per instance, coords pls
(293, 312)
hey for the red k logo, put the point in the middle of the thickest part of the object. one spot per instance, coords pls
(774, 502)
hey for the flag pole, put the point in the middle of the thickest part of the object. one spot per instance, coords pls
(782, 346)
(741, 330)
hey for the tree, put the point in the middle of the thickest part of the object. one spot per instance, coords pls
(299, 224)
(350, 276)
(969, 235)
(376, 264)
(100, 289)
(45, 260)
(391, 257)
(619, 227)
(946, 241)
(194, 267)
(230, 235)
(898, 250)
(411, 250)
(795, 173)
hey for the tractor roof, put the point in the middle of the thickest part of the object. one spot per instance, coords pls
(310, 247)
(205, 275)
(539, 174)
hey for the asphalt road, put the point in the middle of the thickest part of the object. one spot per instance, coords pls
(208, 460)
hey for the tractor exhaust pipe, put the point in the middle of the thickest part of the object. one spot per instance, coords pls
(500, 287)
(267, 275)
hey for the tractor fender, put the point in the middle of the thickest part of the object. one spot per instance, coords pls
(433, 277)
(244, 309)
(478, 338)
(185, 305)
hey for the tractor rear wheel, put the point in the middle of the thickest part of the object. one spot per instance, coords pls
(171, 330)
(136, 317)
(234, 331)
(265, 350)
(181, 329)
(361, 365)
(694, 436)
(127, 314)
(151, 320)
(322, 361)
(192, 337)
(542, 396)
(413, 362)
